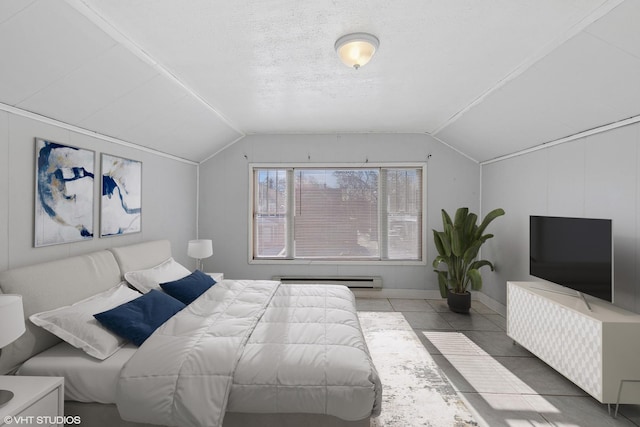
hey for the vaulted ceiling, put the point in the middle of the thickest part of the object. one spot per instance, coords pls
(188, 78)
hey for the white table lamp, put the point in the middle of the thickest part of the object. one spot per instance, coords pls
(200, 249)
(11, 327)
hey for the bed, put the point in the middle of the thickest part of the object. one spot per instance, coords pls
(241, 352)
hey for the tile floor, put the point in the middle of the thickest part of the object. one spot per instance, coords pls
(502, 383)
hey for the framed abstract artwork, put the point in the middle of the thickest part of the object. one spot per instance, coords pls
(63, 194)
(121, 200)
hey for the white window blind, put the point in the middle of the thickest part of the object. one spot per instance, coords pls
(338, 213)
(270, 217)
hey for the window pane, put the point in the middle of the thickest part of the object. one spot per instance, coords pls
(270, 216)
(404, 213)
(336, 213)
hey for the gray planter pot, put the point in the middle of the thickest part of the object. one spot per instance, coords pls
(459, 303)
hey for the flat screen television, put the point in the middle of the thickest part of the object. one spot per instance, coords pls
(573, 252)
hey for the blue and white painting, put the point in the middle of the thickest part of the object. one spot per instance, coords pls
(121, 202)
(64, 193)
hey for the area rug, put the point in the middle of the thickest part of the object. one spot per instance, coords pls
(415, 390)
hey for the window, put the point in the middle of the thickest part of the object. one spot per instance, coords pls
(338, 213)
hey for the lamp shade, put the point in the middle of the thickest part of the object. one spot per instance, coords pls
(356, 49)
(200, 248)
(11, 318)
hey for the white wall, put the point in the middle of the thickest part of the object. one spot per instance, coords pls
(452, 181)
(596, 176)
(168, 198)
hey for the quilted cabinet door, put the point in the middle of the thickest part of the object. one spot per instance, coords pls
(534, 322)
(582, 352)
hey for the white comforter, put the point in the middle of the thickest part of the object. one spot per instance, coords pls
(253, 346)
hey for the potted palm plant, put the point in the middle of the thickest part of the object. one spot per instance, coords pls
(458, 247)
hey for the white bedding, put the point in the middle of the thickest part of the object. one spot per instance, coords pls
(253, 346)
(307, 355)
(181, 375)
(295, 349)
(87, 379)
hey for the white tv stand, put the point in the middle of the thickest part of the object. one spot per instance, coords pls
(597, 349)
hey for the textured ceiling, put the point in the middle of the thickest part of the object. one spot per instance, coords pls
(190, 77)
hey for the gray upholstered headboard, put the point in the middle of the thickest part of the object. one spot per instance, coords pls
(142, 255)
(51, 285)
(54, 284)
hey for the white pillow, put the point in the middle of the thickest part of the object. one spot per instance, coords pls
(167, 271)
(76, 325)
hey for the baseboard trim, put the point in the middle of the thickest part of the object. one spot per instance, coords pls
(494, 305)
(396, 293)
(426, 294)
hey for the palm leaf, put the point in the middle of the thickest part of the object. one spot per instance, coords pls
(461, 216)
(457, 242)
(487, 220)
(485, 237)
(446, 219)
(471, 252)
(441, 240)
(443, 283)
(438, 260)
(476, 279)
(470, 224)
(476, 265)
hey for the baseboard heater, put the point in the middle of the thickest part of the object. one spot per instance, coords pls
(369, 282)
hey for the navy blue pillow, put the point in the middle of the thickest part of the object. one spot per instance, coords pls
(189, 288)
(137, 319)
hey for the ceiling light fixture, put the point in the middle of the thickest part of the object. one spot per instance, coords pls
(356, 49)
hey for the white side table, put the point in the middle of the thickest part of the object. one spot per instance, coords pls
(218, 277)
(37, 401)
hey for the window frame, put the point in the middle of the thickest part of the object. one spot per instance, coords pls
(293, 261)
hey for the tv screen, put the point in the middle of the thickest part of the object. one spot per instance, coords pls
(573, 252)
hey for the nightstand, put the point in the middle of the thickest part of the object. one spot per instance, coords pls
(37, 401)
(217, 276)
